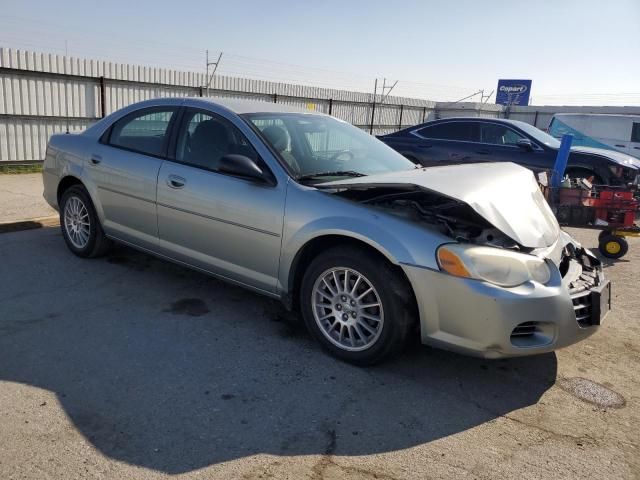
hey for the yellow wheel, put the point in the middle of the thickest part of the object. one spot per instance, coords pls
(613, 246)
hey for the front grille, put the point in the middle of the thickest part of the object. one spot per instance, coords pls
(582, 308)
(525, 329)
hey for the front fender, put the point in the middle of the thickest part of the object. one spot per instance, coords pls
(310, 214)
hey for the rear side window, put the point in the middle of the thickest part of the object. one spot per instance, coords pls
(635, 132)
(461, 131)
(143, 132)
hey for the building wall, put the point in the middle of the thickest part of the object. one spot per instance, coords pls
(42, 94)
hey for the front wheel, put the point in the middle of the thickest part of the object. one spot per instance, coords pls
(357, 306)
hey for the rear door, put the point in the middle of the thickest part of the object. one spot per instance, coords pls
(223, 224)
(124, 166)
(447, 142)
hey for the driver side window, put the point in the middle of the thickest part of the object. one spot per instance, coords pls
(498, 135)
(205, 138)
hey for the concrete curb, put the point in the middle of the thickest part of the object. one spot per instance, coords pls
(17, 226)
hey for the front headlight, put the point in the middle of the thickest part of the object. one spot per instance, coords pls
(493, 265)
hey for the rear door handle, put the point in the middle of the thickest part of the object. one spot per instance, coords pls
(619, 146)
(637, 148)
(483, 151)
(96, 159)
(174, 181)
(424, 145)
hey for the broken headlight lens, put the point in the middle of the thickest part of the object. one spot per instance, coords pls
(493, 265)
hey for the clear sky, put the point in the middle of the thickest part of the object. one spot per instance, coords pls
(575, 51)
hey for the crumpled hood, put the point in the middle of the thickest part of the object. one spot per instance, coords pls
(618, 157)
(505, 194)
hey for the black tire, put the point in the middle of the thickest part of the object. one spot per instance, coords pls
(97, 244)
(613, 246)
(602, 234)
(394, 294)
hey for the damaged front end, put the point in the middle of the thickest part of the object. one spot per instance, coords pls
(588, 288)
(509, 281)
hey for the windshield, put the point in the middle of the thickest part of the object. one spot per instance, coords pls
(320, 145)
(538, 134)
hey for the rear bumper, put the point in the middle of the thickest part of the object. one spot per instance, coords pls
(50, 182)
(477, 318)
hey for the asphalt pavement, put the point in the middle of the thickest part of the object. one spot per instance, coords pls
(131, 367)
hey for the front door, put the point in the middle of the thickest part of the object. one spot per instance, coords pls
(500, 143)
(227, 225)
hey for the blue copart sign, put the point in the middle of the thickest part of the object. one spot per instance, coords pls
(513, 92)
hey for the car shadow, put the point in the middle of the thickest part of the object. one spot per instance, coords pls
(168, 369)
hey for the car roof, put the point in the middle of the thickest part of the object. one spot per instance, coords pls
(480, 119)
(515, 123)
(235, 105)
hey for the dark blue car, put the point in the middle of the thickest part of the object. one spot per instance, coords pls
(472, 140)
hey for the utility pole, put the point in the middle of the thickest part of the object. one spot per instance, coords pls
(215, 67)
(386, 90)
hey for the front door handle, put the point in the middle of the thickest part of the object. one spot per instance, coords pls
(620, 146)
(637, 148)
(174, 181)
(483, 151)
(96, 159)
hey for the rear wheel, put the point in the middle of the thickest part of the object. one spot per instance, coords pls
(356, 306)
(80, 226)
(613, 246)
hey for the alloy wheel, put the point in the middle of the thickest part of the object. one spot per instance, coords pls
(76, 222)
(347, 308)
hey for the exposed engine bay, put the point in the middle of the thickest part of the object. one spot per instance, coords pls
(449, 216)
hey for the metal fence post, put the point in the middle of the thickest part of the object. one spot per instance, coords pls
(330, 105)
(103, 99)
(373, 114)
(275, 98)
(400, 120)
(424, 114)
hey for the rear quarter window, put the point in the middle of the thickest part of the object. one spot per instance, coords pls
(460, 131)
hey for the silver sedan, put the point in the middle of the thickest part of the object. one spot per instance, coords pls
(308, 209)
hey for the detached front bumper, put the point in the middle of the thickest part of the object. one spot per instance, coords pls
(484, 320)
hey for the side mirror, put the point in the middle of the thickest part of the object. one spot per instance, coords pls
(525, 144)
(242, 166)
